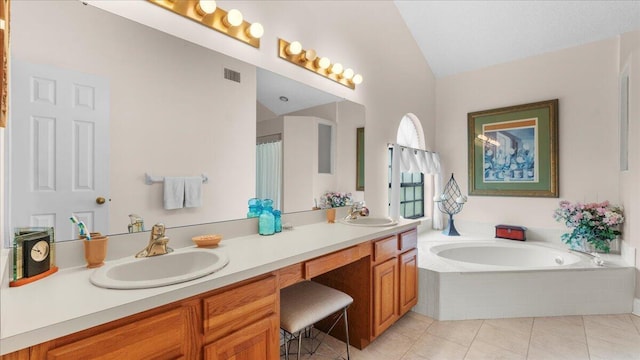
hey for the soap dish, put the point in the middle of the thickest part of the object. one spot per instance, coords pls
(207, 240)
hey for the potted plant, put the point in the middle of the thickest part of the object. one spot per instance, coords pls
(594, 225)
(335, 199)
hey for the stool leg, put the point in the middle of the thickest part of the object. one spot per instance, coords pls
(299, 343)
(346, 329)
(287, 341)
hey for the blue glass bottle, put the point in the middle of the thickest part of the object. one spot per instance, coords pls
(266, 221)
(278, 221)
(255, 208)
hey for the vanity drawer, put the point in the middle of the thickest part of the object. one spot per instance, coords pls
(160, 337)
(385, 248)
(236, 308)
(326, 263)
(291, 275)
(408, 240)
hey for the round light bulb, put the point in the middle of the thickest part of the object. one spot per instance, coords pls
(206, 7)
(310, 55)
(233, 18)
(256, 30)
(357, 79)
(337, 68)
(323, 63)
(295, 48)
(348, 74)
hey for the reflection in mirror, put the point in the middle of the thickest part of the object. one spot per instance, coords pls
(143, 101)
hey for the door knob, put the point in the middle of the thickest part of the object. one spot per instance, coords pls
(100, 200)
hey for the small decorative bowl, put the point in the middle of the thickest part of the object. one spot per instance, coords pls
(209, 240)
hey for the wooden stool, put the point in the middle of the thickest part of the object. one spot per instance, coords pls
(304, 304)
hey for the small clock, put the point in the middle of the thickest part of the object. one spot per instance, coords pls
(36, 256)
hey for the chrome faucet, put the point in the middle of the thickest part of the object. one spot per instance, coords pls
(157, 243)
(356, 209)
(595, 258)
(137, 223)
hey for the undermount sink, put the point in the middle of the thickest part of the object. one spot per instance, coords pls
(176, 267)
(369, 221)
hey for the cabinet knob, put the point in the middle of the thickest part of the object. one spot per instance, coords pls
(100, 200)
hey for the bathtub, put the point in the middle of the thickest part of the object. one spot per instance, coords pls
(488, 279)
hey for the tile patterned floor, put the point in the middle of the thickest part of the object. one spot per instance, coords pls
(417, 337)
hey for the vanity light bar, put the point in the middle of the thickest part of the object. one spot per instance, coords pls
(229, 23)
(322, 66)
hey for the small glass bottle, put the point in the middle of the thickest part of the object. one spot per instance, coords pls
(266, 221)
(278, 220)
(255, 208)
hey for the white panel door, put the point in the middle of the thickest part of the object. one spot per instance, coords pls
(59, 139)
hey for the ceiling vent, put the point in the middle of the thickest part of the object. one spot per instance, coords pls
(231, 75)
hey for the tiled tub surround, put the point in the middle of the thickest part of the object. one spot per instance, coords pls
(457, 290)
(67, 302)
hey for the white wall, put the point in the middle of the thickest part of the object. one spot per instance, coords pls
(299, 160)
(584, 80)
(160, 86)
(350, 117)
(630, 180)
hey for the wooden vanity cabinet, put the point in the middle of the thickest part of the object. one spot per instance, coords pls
(408, 270)
(385, 295)
(395, 279)
(166, 332)
(243, 322)
(383, 283)
(240, 321)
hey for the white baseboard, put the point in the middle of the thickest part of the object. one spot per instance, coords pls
(636, 306)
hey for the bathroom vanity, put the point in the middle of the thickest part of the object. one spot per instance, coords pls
(233, 313)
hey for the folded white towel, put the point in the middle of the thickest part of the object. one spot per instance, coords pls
(173, 192)
(193, 191)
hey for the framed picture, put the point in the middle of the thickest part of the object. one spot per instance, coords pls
(360, 159)
(513, 151)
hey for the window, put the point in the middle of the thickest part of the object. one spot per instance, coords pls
(412, 185)
(411, 193)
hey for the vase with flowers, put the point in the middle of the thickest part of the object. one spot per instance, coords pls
(332, 199)
(595, 225)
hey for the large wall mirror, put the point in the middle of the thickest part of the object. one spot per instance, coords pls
(98, 101)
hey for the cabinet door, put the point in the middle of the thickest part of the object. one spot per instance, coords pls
(408, 280)
(385, 295)
(257, 341)
(18, 355)
(161, 336)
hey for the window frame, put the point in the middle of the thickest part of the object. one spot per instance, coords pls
(403, 188)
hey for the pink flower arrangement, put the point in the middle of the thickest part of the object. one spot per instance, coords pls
(335, 199)
(594, 223)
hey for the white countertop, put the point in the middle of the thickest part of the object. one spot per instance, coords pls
(66, 302)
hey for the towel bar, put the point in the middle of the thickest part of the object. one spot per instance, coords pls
(148, 179)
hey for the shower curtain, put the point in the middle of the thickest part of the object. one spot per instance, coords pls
(269, 172)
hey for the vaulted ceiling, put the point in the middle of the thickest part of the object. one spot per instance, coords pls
(459, 36)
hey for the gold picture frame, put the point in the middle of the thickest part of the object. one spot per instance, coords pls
(360, 159)
(513, 151)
